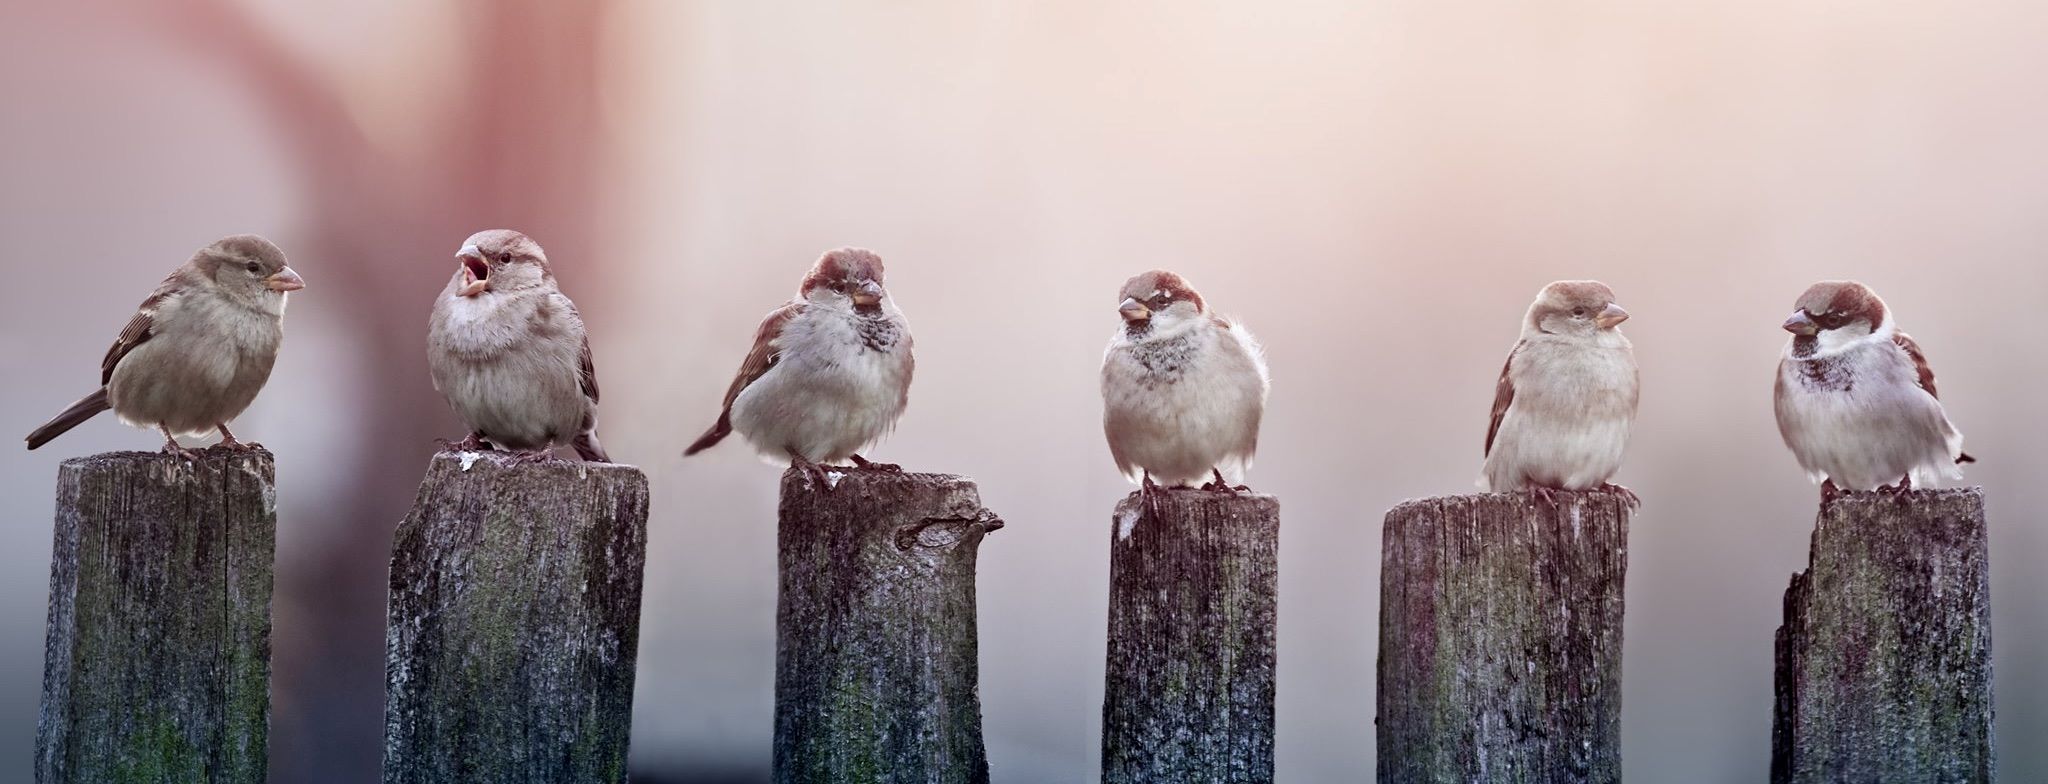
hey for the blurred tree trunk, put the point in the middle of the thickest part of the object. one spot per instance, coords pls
(515, 143)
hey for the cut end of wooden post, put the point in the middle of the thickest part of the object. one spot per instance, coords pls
(513, 621)
(1502, 612)
(876, 670)
(157, 657)
(1884, 658)
(1193, 637)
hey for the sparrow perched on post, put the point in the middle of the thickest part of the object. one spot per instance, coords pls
(1182, 390)
(829, 373)
(508, 351)
(1566, 397)
(1855, 397)
(198, 350)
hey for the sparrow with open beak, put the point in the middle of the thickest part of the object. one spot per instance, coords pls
(829, 373)
(198, 350)
(1182, 390)
(1856, 399)
(1566, 397)
(509, 352)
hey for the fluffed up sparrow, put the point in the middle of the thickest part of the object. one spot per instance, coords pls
(509, 352)
(1182, 390)
(1566, 397)
(198, 350)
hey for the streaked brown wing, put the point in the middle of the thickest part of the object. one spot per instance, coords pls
(1503, 394)
(589, 372)
(139, 330)
(1920, 367)
(764, 354)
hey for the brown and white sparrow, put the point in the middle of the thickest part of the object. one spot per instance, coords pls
(198, 350)
(1855, 397)
(1182, 390)
(1566, 397)
(508, 351)
(829, 373)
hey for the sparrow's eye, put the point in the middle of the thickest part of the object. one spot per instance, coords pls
(253, 266)
(1579, 312)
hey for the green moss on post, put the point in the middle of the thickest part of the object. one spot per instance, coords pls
(1193, 618)
(876, 672)
(1500, 639)
(157, 661)
(514, 621)
(1884, 660)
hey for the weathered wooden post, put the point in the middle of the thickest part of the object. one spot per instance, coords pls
(1193, 618)
(513, 623)
(1884, 661)
(876, 667)
(157, 661)
(1500, 638)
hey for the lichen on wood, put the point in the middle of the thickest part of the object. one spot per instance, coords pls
(1884, 658)
(514, 622)
(157, 658)
(1193, 612)
(876, 671)
(1500, 638)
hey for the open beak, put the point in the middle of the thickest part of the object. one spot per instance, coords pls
(476, 272)
(284, 280)
(1611, 317)
(1134, 310)
(868, 294)
(1801, 324)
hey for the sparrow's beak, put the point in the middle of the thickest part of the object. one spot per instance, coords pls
(1801, 324)
(869, 293)
(284, 280)
(1134, 310)
(476, 272)
(1612, 316)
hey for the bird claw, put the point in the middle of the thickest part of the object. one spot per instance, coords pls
(470, 443)
(865, 464)
(1548, 495)
(1221, 485)
(533, 456)
(814, 474)
(1626, 495)
(1829, 492)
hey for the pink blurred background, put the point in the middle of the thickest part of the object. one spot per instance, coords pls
(1376, 189)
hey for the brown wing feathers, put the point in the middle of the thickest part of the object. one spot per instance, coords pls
(759, 360)
(1503, 394)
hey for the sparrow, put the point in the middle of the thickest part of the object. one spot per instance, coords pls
(198, 349)
(1182, 390)
(829, 373)
(1566, 396)
(1855, 397)
(508, 351)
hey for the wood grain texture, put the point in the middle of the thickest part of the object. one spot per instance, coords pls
(1500, 639)
(1193, 621)
(157, 661)
(876, 669)
(514, 620)
(1884, 659)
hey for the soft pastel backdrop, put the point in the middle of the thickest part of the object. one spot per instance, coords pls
(1376, 188)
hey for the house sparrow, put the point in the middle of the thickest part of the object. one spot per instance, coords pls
(1566, 397)
(1855, 397)
(198, 350)
(829, 373)
(508, 351)
(1182, 390)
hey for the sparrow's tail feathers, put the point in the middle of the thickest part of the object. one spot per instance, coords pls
(80, 411)
(1965, 458)
(711, 437)
(589, 449)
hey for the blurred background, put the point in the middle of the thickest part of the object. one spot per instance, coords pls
(1377, 189)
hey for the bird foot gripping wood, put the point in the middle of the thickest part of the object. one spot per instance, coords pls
(1548, 495)
(815, 475)
(172, 448)
(1626, 495)
(532, 456)
(1221, 485)
(230, 443)
(473, 442)
(865, 464)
